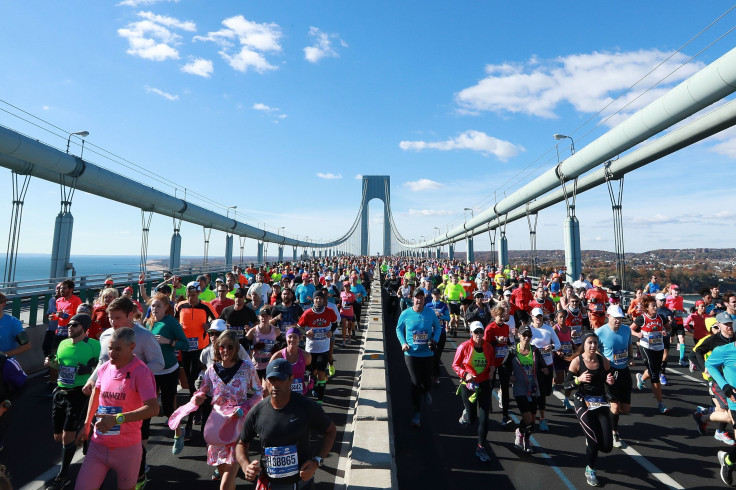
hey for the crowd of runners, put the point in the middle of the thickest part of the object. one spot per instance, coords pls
(243, 356)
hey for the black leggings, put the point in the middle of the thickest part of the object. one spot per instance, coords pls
(358, 308)
(504, 374)
(596, 425)
(420, 372)
(192, 367)
(545, 386)
(167, 384)
(480, 408)
(438, 354)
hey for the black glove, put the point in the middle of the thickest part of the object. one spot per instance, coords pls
(432, 345)
(727, 390)
(82, 369)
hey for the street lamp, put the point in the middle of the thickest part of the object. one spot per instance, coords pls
(81, 134)
(438, 231)
(560, 137)
(472, 213)
(227, 211)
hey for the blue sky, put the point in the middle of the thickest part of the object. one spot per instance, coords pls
(276, 107)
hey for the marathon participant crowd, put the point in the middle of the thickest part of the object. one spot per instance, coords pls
(529, 338)
(254, 350)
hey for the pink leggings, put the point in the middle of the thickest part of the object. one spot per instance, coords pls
(126, 462)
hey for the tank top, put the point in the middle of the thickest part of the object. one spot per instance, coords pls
(565, 339)
(652, 330)
(262, 356)
(298, 370)
(575, 322)
(597, 384)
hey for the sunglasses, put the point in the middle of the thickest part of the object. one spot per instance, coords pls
(226, 347)
(214, 333)
(74, 324)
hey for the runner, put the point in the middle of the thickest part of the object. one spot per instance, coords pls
(298, 359)
(649, 328)
(124, 395)
(454, 294)
(443, 315)
(317, 322)
(263, 338)
(347, 313)
(675, 303)
(589, 374)
(474, 363)
(77, 357)
(415, 328)
(360, 294)
(546, 340)
(615, 345)
(498, 334)
(563, 356)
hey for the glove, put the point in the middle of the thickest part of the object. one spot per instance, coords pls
(727, 390)
(259, 345)
(432, 345)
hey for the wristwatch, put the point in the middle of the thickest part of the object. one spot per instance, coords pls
(320, 461)
(120, 418)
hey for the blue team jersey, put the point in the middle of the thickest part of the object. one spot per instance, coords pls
(615, 345)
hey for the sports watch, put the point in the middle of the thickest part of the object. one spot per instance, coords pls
(320, 461)
(120, 418)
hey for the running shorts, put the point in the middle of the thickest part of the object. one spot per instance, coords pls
(620, 390)
(319, 361)
(68, 409)
(653, 362)
(525, 405)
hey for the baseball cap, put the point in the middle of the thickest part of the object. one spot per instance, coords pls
(674, 286)
(615, 312)
(507, 293)
(319, 294)
(108, 281)
(724, 317)
(660, 297)
(239, 292)
(476, 325)
(699, 302)
(219, 279)
(328, 278)
(128, 290)
(278, 368)
(218, 325)
(525, 329)
(478, 294)
(201, 278)
(163, 288)
(193, 285)
(84, 320)
(435, 291)
(597, 282)
(537, 312)
(417, 292)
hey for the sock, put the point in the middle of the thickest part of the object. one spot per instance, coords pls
(682, 351)
(722, 427)
(320, 388)
(331, 362)
(67, 454)
(142, 470)
(615, 421)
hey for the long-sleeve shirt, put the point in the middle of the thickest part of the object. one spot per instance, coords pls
(465, 357)
(416, 329)
(721, 365)
(171, 329)
(544, 336)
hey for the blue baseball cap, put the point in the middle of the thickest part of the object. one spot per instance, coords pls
(278, 368)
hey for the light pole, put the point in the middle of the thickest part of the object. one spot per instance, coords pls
(227, 211)
(560, 137)
(81, 134)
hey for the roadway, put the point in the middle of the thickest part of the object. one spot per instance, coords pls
(659, 451)
(25, 438)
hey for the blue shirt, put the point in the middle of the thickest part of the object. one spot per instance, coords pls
(358, 289)
(303, 291)
(10, 327)
(721, 365)
(416, 329)
(615, 345)
(439, 306)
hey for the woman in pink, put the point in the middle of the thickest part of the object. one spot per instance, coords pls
(347, 299)
(563, 356)
(696, 321)
(228, 381)
(124, 396)
(298, 359)
(263, 337)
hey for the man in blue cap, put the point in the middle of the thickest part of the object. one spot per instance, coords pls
(283, 422)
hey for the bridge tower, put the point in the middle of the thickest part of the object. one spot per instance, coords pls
(376, 187)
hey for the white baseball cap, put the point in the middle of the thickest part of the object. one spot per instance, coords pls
(615, 312)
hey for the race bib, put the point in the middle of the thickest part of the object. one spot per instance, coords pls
(502, 350)
(547, 356)
(654, 339)
(67, 374)
(267, 348)
(193, 343)
(297, 385)
(620, 356)
(566, 347)
(62, 331)
(103, 410)
(281, 461)
(319, 334)
(576, 334)
(594, 402)
(421, 338)
(239, 330)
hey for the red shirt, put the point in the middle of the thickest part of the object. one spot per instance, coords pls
(498, 337)
(310, 319)
(68, 307)
(220, 305)
(463, 361)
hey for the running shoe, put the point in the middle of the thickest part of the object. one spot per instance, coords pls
(639, 381)
(58, 483)
(724, 437)
(662, 409)
(464, 418)
(528, 448)
(178, 445)
(543, 425)
(482, 455)
(725, 468)
(141, 483)
(568, 406)
(663, 379)
(506, 421)
(590, 477)
(416, 420)
(428, 399)
(683, 363)
(343, 343)
(519, 440)
(616, 440)
(692, 367)
(331, 370)
(701, 426)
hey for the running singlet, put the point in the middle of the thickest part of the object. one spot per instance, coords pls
(263, 355)
(565, 340)
(478, 361)
(346, 306)
(574, 320)
(527, 364)
(298, 370)
(652, 332)
(123, 390)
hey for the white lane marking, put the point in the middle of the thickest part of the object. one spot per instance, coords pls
(649, 466)
(687, 376)
(39, 483)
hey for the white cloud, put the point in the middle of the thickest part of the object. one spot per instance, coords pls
(137, 3)
(329, 176)
(152, 38)
(322, 47)
(586, 81)
(422, 185)
(469, 140)
(358, 177)
(46, 108)
(430, 212)
(254, 40)
(263, 107)
(163, 94)
(200, 67)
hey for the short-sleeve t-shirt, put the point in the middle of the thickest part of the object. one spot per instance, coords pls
(320, 323)
(284, 435)
(69, 308)
(615, 345)
(10, 327)
(123, 390)
(70, 356)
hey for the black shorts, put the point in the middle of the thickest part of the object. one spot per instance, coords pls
(454, 308)
(653, 362)
(525, 405)
(68, 409)
(261, 373)
(319, 361)
(620, 390)
(718, 394)
(468, 301)
(677, 330)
